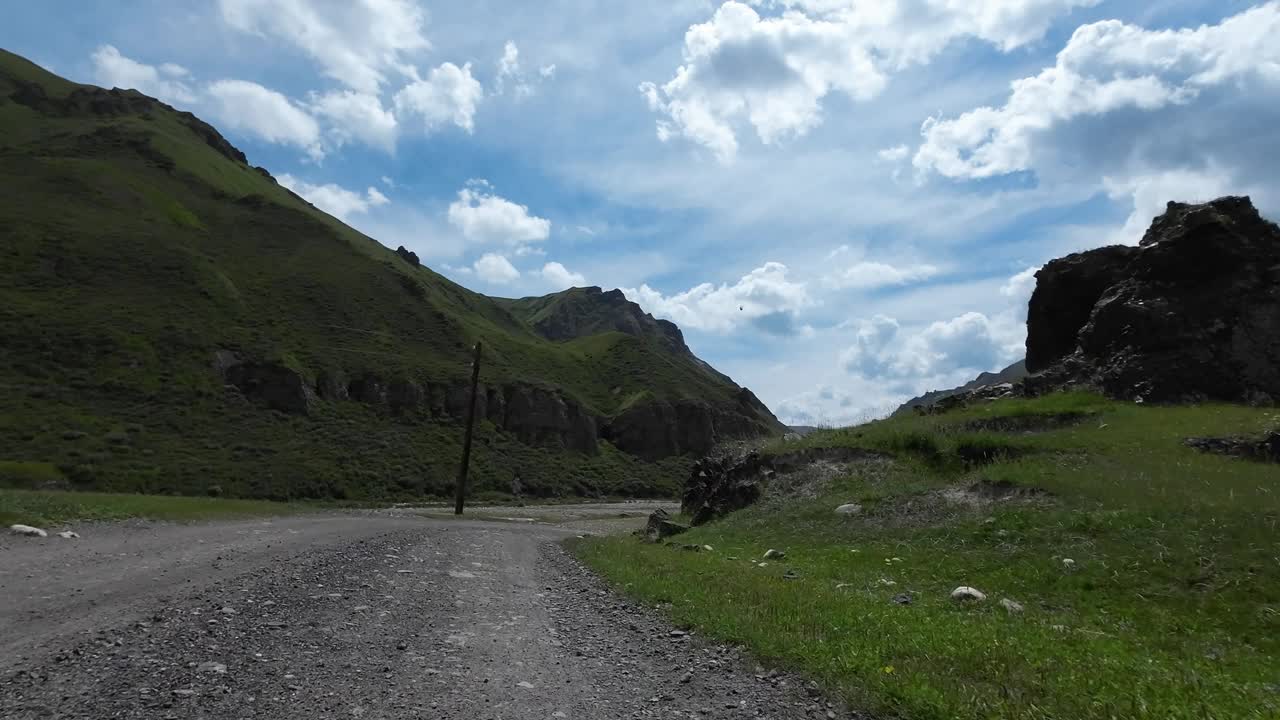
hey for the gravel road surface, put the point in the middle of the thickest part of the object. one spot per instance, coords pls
(350, 616)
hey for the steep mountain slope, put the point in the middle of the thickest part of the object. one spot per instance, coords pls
(1013, 373)
(172, 319)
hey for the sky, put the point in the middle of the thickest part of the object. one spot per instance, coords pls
(841, 202)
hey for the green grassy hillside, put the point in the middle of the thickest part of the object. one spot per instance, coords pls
(135, 243)
(1148, 573)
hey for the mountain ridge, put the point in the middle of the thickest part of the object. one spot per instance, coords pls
(148, 263)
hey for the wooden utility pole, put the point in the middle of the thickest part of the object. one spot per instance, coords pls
(460, 492)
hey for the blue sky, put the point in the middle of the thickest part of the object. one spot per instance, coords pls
(841, 202)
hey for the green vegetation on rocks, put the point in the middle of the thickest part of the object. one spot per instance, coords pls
(1141, 575)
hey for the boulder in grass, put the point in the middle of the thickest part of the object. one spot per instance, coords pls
(964, 593)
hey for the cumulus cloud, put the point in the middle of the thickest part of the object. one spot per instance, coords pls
(357, 43)
(1121, 99)
(1018, 289)
(764, 298)
(167, 82)
(495, 268)
(937, 354)
(486, 218)
(266, 114)
(872, 275)
(356, 116)
(335, 199)
(449, 95)
(559, 277)
(774, 72)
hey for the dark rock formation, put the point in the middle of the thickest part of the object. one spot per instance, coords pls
(330, 385)
(1191, 314)
(409, 256)
(542, 418)
(1067, 289)
(661, 526)
(719, 485)
(658, 429)
(404, 395)
(1266, 449)
(923, 403)
(722, 483)
(280, 387)
(368, 389)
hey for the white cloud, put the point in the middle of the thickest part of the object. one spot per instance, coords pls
(894, 154)
(356, 42)
(388, 181)
(871, 275)
(935, 355)
(1151, 193)
(448, 95)
(764, 298)
(266, 114)
(559, 277)
(1018, 289)
(1108, 67)
(494, 268)
(509, 69)
(585, 230)
(165, 82)
(774, 72)
(334, 199)
(510, 73)
(356, 116)
(489, 219)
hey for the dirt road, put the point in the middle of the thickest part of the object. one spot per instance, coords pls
(350, 616)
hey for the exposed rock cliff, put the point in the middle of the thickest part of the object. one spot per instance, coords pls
(1192, 313)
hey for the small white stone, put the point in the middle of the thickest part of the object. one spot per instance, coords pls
(1013, 606)
(965, 593)
(1068, 563)
(68, 535)
(708, 548)
(849, 509)
(28, 531)
(772, 554)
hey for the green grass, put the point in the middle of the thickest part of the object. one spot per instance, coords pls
(51, 508)
(131, 250)
(1171, 609)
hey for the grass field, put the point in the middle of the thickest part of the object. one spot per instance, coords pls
(50, 508)
(1168, 608)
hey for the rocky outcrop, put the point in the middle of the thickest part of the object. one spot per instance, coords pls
(281, 388)
(660, 526)
(1066, 292)
(408, 256)
(719, 485)
(926, 402)
(724, 482)
(542, 418)
(1191, 314)
(1266, 449)
(658, 429)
